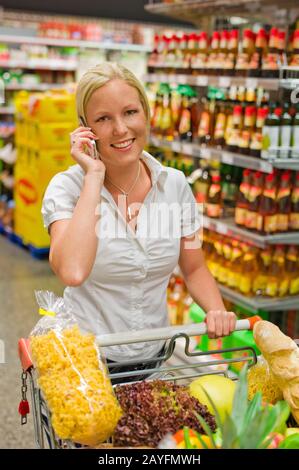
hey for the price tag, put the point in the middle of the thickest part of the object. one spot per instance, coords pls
(224, 82)
(221, 228)
(182, 79)
(202, 80)
(187, 149)
(176, 146)
(266, 167)
(251, 83)
(227, 158)
(205, 153)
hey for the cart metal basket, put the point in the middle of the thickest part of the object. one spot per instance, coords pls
(192, 363)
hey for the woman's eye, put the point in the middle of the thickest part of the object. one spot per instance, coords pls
(102, 118)
(132, 111)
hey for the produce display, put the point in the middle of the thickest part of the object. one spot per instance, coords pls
(153, 409)
(282, 355)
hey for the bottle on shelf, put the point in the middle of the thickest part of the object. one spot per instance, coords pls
(283, 202)
(285, 132)
(294, 215)
(233, 279)
(292, 269)
(212, 64)
(253, 219)
(247, 131)
(264, 262)
(166, 125)
(232, 142)
(271, 132)
(220, 126)
(214, 202)
(202, 184)
(256, 142)
(232, 52)
(185, 125)
(243, 58)
(249, 269)
(295, 132)
(261, 45)
(268, 206)
(275, 273)
(242, 205)
(205, 124)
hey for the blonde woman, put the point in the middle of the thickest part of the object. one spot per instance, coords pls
(109, 243)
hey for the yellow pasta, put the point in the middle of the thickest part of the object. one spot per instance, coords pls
(75, 384)
(261, 379)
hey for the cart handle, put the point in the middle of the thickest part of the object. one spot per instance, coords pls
(156, 334)
(24, 354)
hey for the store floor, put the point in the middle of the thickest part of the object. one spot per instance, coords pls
(20, 275)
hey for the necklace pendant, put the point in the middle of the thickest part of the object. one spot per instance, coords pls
(129, 213)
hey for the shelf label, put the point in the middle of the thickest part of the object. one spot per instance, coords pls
(202, 80)
(224, 82)
(251, 83)
(205, 153)
(227, 158)
(176, 146)
(187, 148)
(266, 166)
(221, 228)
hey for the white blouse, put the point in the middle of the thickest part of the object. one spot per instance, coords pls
(126, 289)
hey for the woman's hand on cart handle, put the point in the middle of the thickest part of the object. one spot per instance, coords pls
(220, 323)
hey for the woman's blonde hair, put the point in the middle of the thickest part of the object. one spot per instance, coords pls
(98, 76)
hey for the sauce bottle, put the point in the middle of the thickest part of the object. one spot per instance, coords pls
(271, 131)
(294, 215)
(249, 269)
(233, 276)
(232, 142)
(256, 143)
(214, 203)
(232, 51)
(295, 134)
(220, 126)
(167, 126)
(276, 270)
(264, 261)
(242, 205)
(185, 127)
(249, 124)
(255, 193)
(292, 269)
(285, 132)
(267, 211)
(283, 201)
(204, 127)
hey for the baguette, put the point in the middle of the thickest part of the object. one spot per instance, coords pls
(282, 355)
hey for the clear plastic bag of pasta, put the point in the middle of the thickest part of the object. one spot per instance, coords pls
(261, 379)
(72, 375)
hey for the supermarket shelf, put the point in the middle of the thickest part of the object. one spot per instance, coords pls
(34, 87)
(40, 64)
(73, 43)
(229, 228)
(214, 80)
(244, 161)
(7, 110)
(270, 304)
(193, 11)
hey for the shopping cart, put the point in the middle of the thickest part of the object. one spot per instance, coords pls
(195, 361)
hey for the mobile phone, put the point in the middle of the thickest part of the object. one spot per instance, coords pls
(94, 152)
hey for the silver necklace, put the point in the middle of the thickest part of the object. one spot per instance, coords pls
(126, 193)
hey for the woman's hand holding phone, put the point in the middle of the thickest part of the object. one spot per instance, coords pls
(84, 152)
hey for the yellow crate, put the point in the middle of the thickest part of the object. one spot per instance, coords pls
(53, 106)
(49, 135)
(31, 181)
(21, 131)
